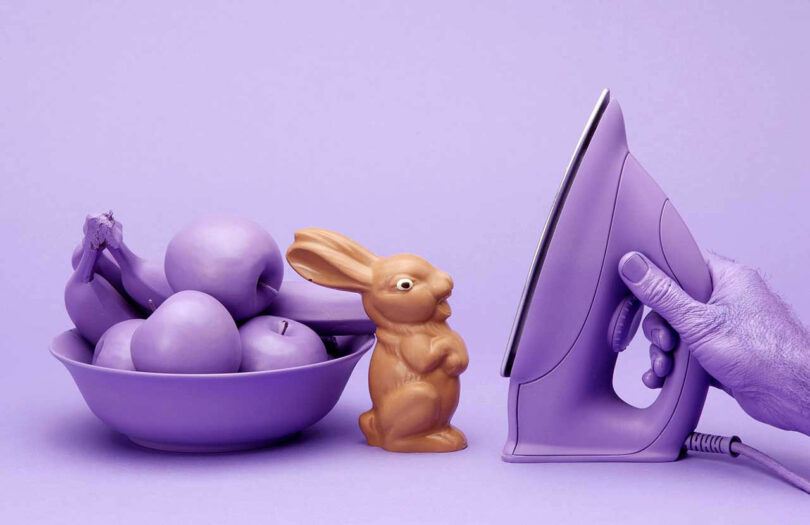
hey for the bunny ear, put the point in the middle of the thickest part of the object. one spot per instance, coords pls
(330, 259)
(337, 242)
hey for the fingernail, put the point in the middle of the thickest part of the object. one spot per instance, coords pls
(659, 339)
(662, 366)
(659, 366)
(634, 268)
(651, 380)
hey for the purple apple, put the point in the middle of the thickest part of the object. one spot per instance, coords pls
(190, 333)
(234, 260)
(113, 349)
(272, 343)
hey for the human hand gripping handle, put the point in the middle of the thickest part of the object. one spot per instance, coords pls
(745, 337)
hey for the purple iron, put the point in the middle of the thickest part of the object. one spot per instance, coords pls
(576, 314)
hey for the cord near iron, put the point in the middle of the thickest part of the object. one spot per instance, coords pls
(734, 447)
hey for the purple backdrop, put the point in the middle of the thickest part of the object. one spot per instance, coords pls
(439, 130)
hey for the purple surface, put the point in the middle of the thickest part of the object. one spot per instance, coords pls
(303, 116)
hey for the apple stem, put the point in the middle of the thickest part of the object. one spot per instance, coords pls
(285, 324)
(265, 285)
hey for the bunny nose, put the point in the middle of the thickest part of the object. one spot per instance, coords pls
(445, 286)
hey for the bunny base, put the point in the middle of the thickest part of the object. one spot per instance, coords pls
(448, 439)
(400, 438)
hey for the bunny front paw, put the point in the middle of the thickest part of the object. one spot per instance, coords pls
(421, 354)
(454, 354)
(455, 364)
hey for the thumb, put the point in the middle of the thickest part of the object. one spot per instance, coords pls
(660, 292)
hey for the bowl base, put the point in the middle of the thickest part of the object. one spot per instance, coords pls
(208, 448)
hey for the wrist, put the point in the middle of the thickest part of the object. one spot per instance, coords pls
(793, 381)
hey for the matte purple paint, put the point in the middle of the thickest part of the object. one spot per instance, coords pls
(562, 404)
(273, 343)
(745, 337)
(634, 268)
(658, 332)
(287, 114)
(105, 266)
(113, 350)
(190, 333)
(233, 259)
(209, 412)
(143, 279)
(92, 303)
(661, 361)
(327, 311)
(624, 323)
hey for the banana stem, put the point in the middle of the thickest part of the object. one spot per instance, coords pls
(123, 255)
(86, 266)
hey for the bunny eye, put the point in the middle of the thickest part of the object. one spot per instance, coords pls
(404, 284)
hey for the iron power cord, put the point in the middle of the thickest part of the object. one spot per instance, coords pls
(734, 447)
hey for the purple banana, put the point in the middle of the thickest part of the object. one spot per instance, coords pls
(105, 267)
(144, 280)
(92, 303)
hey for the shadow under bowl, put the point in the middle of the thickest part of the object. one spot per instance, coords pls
(209, 412)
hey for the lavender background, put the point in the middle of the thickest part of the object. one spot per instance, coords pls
(440, 130)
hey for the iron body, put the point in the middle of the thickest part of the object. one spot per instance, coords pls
(562, 351)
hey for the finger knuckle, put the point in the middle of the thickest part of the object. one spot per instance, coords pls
(660, 291)
(706, 324)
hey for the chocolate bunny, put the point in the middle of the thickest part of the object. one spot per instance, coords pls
(414, 373)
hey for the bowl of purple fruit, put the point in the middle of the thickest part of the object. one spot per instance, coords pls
(208, 350)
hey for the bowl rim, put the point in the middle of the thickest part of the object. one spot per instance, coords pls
(365, 347)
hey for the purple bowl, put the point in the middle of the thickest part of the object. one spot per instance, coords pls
(209, 412)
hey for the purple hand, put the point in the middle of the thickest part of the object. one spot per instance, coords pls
(746, 338)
